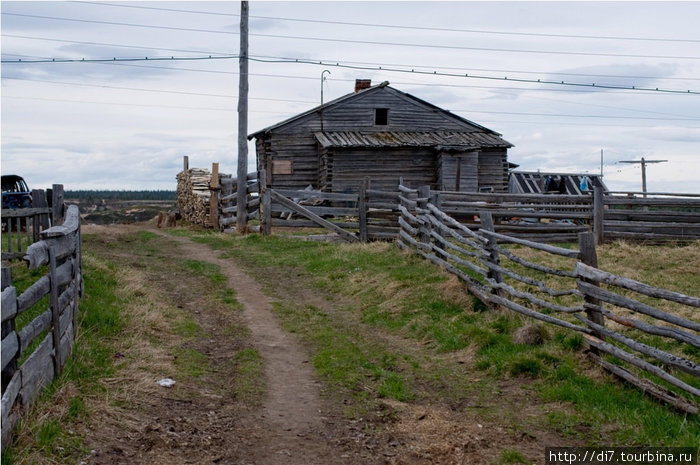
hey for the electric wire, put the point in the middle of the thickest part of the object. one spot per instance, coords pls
(379, 68)
(413, 66)
(399, 26)
(357, 41)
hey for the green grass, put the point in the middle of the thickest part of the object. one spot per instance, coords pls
(401, 295)
(249, 384)
(101, 322)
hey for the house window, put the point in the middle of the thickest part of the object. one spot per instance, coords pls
(381, 116)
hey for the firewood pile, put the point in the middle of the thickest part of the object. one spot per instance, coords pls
(193, 195)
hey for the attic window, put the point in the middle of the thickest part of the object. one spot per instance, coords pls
(381, 116)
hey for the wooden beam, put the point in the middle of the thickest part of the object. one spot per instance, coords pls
(284, 201)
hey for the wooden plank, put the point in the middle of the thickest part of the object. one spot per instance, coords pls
(535, 266)
(10, 349)
(661, 355)
(647, 386)
(315, 194)
(37, 254)
(71, 224)
(312, 216)
(24, 212)
(9, 303)
(57, 204)
(665, 331)
(33, 294)
(639, 363)
(631, 304)
(10, 395)
(535, 245)
(37, 371)
(609, 278)
(30, 332)
(9, 415)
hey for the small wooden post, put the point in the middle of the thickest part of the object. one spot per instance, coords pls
(265, 204)
(487, 224)
(185, 163)
(57, 204)
(214, 197)
(589, 256)
(436, 201)
(362, 202)
(41, 222)
(598, 215)
(423, 199)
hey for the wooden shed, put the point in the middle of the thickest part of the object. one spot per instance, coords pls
(529, 182)
(384, 134)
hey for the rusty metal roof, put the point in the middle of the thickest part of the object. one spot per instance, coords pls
(447, 139)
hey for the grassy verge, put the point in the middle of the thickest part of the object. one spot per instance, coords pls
(45, 431)
(135, 328)
(379, 300)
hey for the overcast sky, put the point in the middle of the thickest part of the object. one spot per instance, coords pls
(127, 125)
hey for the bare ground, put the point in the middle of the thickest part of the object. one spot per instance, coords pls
(200, 421)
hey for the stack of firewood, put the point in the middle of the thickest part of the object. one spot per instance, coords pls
(193, 195)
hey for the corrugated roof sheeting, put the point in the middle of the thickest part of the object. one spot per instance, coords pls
(464, 140)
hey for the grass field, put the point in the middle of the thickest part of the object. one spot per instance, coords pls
(387, 332)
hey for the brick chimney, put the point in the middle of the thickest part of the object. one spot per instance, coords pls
(362, 84)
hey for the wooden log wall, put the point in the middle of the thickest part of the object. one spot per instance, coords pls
(564, 287)
(59, 253)
(22, 227)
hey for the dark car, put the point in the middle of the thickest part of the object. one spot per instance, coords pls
(15, 193)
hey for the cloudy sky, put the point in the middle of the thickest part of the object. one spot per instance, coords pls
(127, 124)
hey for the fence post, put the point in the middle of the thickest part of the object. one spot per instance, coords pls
(422, 203)
(265, 204)
(185, 163)
(214, 197)
(362, 202)
(586, 243)
(7, 328)
(41, 222)
(598, 215)
(57, 204)
(487, 223)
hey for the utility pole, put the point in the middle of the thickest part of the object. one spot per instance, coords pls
(643, 162)
(241, 207)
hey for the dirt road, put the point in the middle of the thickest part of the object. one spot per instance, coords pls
(200, 421)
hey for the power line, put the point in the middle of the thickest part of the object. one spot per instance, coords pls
(400, 26)
(380, 68)
(413, 66)
(364, 42)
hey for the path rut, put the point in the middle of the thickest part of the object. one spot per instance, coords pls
(290, 427)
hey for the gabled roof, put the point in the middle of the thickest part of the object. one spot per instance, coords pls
(375, 88)
(463, 140)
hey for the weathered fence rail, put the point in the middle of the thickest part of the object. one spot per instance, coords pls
(21, 227)
(210, 198)
(34, 352)
(564, 287)
(651, 216)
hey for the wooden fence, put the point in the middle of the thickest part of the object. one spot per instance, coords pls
(651, 337)
(652, 216)
(34, 352)
(21, 227)
(372, 214)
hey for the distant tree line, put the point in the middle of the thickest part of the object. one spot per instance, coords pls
(121, 195)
